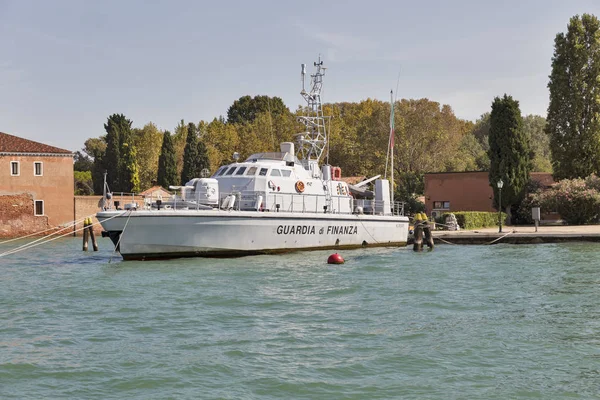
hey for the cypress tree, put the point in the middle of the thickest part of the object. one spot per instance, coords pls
(573, 122)
(167, 166)
(509, 151)
(110, 159)
(190, 155)
(202, 160)
(118, 133)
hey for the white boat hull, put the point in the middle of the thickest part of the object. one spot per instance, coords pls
(151, 234)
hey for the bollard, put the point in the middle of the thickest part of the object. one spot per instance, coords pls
(418, 241)
(428, 235)
(93, 237)
(85, 235)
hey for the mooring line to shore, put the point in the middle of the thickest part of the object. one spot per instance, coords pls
(120, 236)
(442, 240)
(500, 238)
(44, 238)
(65, 226)
(37, 242)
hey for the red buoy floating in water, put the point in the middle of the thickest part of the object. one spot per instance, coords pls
(335, 259)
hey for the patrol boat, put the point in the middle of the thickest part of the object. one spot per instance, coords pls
(269, 203)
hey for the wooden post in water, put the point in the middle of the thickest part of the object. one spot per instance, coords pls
(418, 241)
(85, 235)
(92, 236)
(428, 235)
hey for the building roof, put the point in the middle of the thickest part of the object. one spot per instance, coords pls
(15, 144)
(154, 189)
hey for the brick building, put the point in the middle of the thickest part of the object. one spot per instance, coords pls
(465, 191)
(36, 186)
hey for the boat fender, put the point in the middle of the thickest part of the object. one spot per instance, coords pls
(299, 186)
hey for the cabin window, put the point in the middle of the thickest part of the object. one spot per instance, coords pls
(39, 207)
(37, 168)
(230, 171)
(251, 171)
(221, 171)
(14, 168)
(263, 171)
(241, 171)
(275, 172)
(286, 172)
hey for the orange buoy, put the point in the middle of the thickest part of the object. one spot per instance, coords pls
(335, 259)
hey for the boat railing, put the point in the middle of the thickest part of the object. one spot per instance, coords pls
(249, 200)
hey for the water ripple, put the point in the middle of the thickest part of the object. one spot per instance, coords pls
(491, 322)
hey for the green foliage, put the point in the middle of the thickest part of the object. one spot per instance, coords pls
(202, 160)
(575, 201)
(475, 219)
(129, 169)
(83, 183)
(534, 128)
(82, 162)
(179, 139)
(190, 155)
(573, 122)
(167, 166)
(117, 132)
(509, 151)
(521, 212)
(147, 142)
(246, 108)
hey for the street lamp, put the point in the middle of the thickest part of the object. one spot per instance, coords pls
(500, 184)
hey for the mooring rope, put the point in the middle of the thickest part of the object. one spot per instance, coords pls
(35, 244)
(500, 238)
(65, 225)
(120, 237)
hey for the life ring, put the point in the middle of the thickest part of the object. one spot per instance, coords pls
(299, 186)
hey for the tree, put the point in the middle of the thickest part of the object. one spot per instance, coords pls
(118, 132)
(83, 183)
(509, 151)
(190, 155)
(573, 122)
(534, 127)
(167, 166)
(129, 169)
(179, 139)
(246, 109)
(82, 162)
(202, 161)
(147, 142)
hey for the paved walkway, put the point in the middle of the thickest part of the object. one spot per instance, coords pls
(542, 230)
(520, 234)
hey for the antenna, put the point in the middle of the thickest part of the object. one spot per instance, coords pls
(313, 141)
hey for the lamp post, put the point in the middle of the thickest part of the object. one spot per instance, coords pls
(500, 184)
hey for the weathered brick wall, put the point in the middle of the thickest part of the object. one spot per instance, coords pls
(16, 216)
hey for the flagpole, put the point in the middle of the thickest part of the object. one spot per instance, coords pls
(392, 142)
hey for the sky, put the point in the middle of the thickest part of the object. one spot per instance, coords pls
(66, 65)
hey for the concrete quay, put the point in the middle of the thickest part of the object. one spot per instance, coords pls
(520, 235)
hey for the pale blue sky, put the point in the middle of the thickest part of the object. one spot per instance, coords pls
(66, 65)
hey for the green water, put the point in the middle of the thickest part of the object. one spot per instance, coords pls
(468, 322)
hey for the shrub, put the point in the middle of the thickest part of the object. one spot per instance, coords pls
(521, 212)
(475, 219)
(575, 201)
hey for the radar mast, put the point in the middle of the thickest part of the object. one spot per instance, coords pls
(313, 141)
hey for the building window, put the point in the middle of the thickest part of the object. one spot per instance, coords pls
(39, 207)
(14, 168)
(37, 168)
(441, 205)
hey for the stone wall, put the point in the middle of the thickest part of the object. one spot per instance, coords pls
(17, 217)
